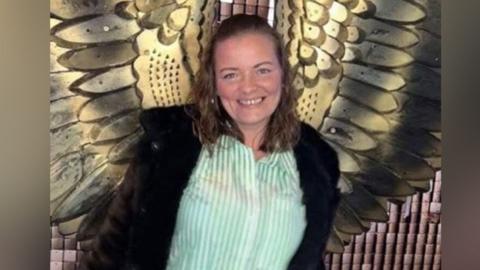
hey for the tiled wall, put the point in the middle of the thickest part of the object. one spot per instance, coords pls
(411, 239)
(65, 251)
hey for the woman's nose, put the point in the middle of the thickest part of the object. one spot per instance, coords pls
(248, 83)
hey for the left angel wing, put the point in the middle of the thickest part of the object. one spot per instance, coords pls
(110, 59)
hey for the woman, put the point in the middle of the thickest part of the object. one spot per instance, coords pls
(233, 181)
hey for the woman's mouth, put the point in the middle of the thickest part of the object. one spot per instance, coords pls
(249, 102)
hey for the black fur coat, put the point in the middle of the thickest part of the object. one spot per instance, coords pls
(140, 221)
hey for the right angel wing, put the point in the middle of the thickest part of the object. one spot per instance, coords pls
(367, 75)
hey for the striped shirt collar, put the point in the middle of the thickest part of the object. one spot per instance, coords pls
(284, 161)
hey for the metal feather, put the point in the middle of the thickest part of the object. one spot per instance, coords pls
(364, 204)
(115, 127)
(71, 9)
(381, 55)
(421, 81)
(343, 108)
(66, 140)
(384, 33)
(347, 221)
(106, 28)
(64, 174)
(382, 79)
(367, 95)
(60, 84)
(64, 111)
(92, 188)
(397, 11)
(107, 105)
(113, 79)
(347, 135)
(125, 149)
(55, 52)
(98, 57)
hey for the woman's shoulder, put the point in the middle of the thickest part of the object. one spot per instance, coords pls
(311, 137)
(163, 119)
(162, 127)
(324, 153)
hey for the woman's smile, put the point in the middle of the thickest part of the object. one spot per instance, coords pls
(250, 102)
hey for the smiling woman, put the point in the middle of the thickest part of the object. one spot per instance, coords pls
(245, 89)
(233, 181)
(248, 81)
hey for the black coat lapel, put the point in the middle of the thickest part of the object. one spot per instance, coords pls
(319, 196)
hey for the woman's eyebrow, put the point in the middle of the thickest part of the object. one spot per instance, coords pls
(255, 66)
(263, 63)
(228, 69)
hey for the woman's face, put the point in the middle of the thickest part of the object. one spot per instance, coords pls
(248, 77)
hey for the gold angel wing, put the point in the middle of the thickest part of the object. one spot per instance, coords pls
(91, 49)
(108, 60)
(367, 72)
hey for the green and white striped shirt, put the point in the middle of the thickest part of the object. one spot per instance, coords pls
(239, 213)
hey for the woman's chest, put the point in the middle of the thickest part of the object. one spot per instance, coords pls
(232, 177)
(239, 208)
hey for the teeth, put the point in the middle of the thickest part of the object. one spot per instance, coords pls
(250, 101)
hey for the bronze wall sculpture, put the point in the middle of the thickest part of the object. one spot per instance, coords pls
(367, 72)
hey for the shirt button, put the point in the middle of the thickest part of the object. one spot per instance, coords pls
(155, 146)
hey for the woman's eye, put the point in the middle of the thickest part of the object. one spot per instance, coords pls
(264, 71)
(229, 76)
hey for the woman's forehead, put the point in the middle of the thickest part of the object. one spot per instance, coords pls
(248, 36)
(244, 47)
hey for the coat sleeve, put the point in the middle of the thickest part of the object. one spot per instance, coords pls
(332, 167)
(110, 248)
(318, 163)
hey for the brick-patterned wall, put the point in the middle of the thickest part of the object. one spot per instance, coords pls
(409, 240)
(65, 251)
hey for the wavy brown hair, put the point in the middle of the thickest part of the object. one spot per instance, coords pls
(210, 118)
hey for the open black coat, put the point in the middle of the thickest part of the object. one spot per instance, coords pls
(141, 219)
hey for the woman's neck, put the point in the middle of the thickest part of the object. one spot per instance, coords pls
(254, 139)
